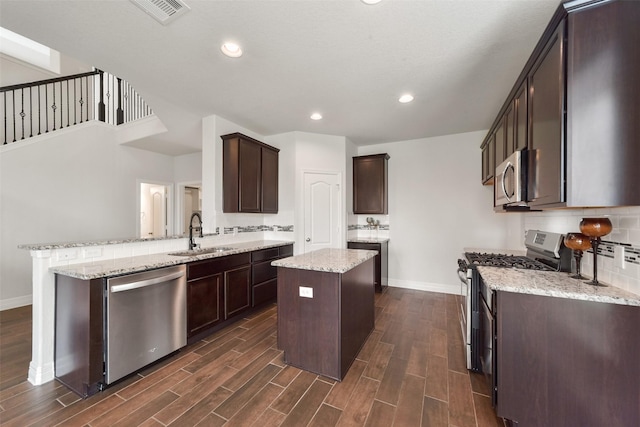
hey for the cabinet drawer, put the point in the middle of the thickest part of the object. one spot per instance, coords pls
(213, 266)
(264, 254)
(286, 251)
(263, 272)
(265, 292)
(365, 246)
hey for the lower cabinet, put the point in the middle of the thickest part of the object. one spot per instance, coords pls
(264, 276)
(381, 261)
(221, 289)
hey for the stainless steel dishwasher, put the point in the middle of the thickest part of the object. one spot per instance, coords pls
(146, 319)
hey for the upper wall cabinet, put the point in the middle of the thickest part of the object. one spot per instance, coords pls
(370, 184)
(249, 175)
(575, 109)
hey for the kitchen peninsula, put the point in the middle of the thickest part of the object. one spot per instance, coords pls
(325, 308)
(99, 259)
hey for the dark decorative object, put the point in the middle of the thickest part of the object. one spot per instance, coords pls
(595, 228)
(578, 242)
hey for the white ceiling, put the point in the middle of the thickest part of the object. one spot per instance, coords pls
(345, 59)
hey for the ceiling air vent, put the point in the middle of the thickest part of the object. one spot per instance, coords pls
(163, 11)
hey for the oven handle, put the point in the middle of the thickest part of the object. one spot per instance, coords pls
(462, 275)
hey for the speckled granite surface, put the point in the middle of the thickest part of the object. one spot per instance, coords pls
(515, 252)
(368, 240)
(119, 266)
(329, 260)
(553, 284)
(63, 245)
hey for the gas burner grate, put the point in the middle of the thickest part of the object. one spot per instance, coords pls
(509, 261)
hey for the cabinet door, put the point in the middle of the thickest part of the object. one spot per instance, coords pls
(370, 184)
(520, 122)
(237, 290)
(204, 303)
(500, 142)
(546, 138)
(509, 118)
(250, 177)
(269, 180)
(488, 161)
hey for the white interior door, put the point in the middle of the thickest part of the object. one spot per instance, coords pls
(322, 210)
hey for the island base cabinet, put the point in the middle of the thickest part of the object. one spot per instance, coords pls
(565, 362)
(323, 332)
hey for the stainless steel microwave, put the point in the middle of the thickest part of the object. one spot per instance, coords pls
(510, 183)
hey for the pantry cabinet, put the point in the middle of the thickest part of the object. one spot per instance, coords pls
(249, 175)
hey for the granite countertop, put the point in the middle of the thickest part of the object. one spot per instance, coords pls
(328, 260)
(117, 241)
(553, 284)
(120, 266)
(368, 240)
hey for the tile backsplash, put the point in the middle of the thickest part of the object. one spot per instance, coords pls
(625, 234)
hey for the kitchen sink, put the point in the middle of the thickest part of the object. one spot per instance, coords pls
(195, 252)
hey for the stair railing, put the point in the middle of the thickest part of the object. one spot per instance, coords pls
(44, 106)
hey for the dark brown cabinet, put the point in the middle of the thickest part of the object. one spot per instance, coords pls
(264, 276)
(381, 261)
(546, 104)
(566, 362)
(370, 182)
(576, 110)
(217, 289)
(249, 175)
(500, 142)
(488, 160)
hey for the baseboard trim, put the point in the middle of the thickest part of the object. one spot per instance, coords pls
(425, 286)
(9, 303)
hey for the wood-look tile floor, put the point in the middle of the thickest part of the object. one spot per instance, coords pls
(410, 372)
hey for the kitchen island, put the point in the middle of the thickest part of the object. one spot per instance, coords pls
(325, 308)
(564, 352)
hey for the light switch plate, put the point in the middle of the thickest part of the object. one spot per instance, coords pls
(618, 256)
(306, 292)
(92, 252)
(67, 255)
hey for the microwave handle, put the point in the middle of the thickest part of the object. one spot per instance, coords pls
(502, 183)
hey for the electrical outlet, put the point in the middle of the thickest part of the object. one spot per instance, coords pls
(235, 231)
(67, 255)
(306, 292)
(618, 256)
(92, 252)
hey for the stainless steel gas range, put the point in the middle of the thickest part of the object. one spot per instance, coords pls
(545, 251)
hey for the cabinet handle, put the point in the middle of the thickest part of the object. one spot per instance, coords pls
(308, 239)
(504, 175)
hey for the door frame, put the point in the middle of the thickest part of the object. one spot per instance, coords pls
(300, 235)
(169, 209)
(179, 205)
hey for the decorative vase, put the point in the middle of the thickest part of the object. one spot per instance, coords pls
(577, 242)
(595, 228)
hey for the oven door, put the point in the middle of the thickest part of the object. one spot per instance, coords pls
(464, 275)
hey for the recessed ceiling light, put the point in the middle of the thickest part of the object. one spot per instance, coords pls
(406, 98)
(316, 116)
(370, 1)
(231, 49)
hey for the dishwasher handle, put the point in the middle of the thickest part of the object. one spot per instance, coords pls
(144, 283)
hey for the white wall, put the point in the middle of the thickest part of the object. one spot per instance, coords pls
(626, 230)
(72, 185)
(437, 206)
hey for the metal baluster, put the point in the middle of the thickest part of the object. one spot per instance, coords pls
(39, 115)
(120, 112)
(53, 106)
(4, 97)
(13, 114)
(30, 111)
(22, 114)
(68, 103)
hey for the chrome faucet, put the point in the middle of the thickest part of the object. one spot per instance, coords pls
(192, 244)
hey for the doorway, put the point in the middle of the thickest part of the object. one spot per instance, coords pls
(188, 201)
(322, 210)
(155, 219)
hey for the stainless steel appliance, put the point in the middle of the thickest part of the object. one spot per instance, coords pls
(510, 184)
(146, 319)
(545, 251)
